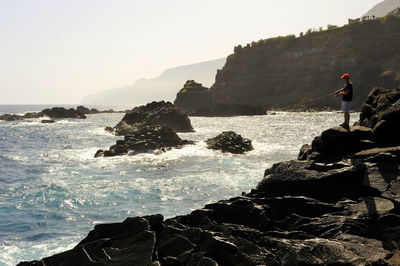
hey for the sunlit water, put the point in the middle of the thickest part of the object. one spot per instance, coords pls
(52, 190)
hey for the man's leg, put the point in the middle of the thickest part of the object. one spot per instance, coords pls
(347, 118)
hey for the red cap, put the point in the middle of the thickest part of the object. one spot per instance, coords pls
(345, 76)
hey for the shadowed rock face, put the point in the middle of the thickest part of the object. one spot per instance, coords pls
(381, 112)
(153, 114)
(332, 207)
(229, 141)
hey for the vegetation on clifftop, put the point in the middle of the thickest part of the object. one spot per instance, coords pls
(290, 71)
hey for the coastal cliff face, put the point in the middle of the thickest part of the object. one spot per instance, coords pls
(338, 204)
(294, 72)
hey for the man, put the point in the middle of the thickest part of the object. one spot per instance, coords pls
(347, 96)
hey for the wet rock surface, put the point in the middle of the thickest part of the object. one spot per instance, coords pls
(153, 114)
(229, 141)
(160, 138)
(332, 207)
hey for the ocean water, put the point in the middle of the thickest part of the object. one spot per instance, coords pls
(53, 191)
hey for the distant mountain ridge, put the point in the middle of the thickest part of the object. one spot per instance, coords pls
(383, 8)
(163, 87)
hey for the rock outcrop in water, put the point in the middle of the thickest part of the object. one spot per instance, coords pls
(55, 113)
(161, 138)
(12, 117)
(153, 114)
(338, 205)
(85, 110)
(61, 112)
(229, 141)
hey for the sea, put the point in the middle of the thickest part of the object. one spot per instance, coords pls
(53, 191)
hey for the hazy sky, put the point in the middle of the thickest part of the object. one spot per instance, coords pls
(54, 51)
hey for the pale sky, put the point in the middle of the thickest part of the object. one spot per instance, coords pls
(57, 51)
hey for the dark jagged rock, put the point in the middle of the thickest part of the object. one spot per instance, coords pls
(11, 117)
(306, 178)
(381, 112)
(47, 121)
(61, 112)
(229, 141)
(54, 113)
(145, 139)
(342, 209)
(85, 110)
(338, 140)
(229, 110)
(153, 114)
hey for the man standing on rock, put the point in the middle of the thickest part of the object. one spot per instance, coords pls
(347, 96)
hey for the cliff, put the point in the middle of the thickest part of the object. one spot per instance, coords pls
(297, 72)
(161, 88)
(338, 204)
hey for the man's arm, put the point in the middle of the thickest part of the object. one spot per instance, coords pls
(337, 93)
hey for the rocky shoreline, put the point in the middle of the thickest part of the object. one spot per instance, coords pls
(337, 204)
(57, 113)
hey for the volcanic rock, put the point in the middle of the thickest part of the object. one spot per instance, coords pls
(10, 117)
(85, 110)
(229, 141)
(147, 138)
(153, 114)
(47, 121)
(61, 112)
(381, 112)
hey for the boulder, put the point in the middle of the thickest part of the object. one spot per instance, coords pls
(339, 141)
(153, 114)
(145, 139)
(61, 112)
(229, 141)
(329, 182)
(381, 112)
